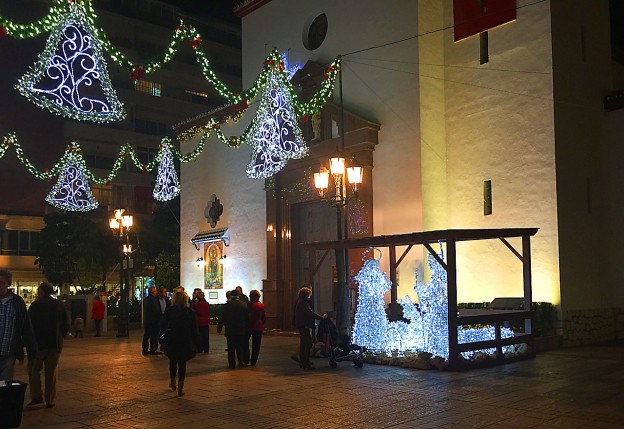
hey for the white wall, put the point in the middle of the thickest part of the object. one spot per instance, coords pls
(380, 84)
(500, 126)
(220, 170)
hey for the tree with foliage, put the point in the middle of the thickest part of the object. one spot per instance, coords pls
(160, 243)
(167, 273)
(76, 248)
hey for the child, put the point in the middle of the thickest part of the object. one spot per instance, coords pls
(78, 325)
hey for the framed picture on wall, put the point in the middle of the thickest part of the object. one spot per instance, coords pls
(213, 269)
(213, 295)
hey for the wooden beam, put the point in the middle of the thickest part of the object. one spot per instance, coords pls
(451, 276)
(393, 286)
(436, 256)
(421, 238)
(404, 254)
(320, 262)
(527, 280)
(513, 250)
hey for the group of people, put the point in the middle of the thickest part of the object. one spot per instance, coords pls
(40, 330)
(244, 319)
(185, 322)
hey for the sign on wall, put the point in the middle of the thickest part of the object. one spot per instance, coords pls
(471, 17)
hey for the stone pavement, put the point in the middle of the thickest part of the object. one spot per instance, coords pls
(107, 383)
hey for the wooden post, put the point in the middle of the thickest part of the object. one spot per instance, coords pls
(393, 288)
(526, 276)
(451, 275)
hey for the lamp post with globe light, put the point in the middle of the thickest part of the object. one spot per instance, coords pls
(344, 179)
(120, 224)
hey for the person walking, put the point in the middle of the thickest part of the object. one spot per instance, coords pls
(163, 299)
(304, 320)
(97, 314)
(202, 312)
(152, 315)
(234, 318)
(241, 295)
(257, 319)
(51, 326)
(79, 324)
(180, 319)
(15, 329)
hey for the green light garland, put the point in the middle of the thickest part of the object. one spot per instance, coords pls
(184, 32)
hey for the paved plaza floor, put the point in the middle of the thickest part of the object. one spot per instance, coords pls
(107, 383)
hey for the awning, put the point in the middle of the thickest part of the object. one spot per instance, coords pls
(220, 234)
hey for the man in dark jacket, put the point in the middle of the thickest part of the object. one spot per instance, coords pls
(234, 317)
(15, 328)
(152, 314)
(51, 326)
(304, 319)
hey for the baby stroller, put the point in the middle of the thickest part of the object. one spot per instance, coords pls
(338, 347)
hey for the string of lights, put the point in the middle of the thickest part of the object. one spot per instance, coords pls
(183, 32)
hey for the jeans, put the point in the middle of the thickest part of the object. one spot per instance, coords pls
(48, 361)
(98, 327)
(7, 367)
(204, 339)
(305, 345)
(256, 340)
(235, 344)
(177, 367)
(150, 339)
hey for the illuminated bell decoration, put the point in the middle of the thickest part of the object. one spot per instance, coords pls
(167, 185)
(70, 78)
(274, 132)
(72, 191)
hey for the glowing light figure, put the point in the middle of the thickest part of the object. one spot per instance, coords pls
(167, 185)
(427, 329)
(70, 78)
(371, 324)
(72, 191)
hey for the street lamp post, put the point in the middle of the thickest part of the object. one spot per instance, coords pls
(120, 224)
(344, 189)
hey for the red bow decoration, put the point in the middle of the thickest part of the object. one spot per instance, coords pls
(3, 31)
(195, 42)
(137, 73)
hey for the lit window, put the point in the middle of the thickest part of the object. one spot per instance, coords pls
(198, 94)
(147, 87)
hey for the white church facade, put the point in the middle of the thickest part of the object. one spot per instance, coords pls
(507, 127)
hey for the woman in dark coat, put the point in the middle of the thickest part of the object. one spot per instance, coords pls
(182, 345)
(257, 319)
(304, 320)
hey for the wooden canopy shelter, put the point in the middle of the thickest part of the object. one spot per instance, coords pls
(455, 318)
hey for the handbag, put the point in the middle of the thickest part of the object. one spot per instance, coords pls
(164, 337)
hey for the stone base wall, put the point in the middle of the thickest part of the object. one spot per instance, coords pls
(592, 326)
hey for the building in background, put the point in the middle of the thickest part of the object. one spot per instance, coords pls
(141, 30)
(510, 122)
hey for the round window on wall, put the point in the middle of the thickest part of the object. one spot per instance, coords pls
(314, 32)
